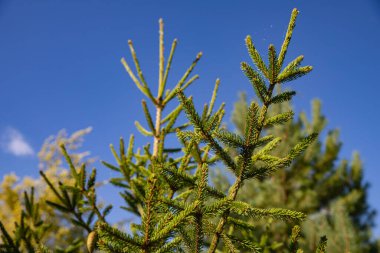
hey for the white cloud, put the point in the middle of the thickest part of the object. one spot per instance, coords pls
(13, 142)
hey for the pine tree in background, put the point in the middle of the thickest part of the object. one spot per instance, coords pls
(316, 183)
(167, 188)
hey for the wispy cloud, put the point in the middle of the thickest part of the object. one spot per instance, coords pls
(13, 142)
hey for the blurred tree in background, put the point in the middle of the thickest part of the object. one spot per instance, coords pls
(60, 231)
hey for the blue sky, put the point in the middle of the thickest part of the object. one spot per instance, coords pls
(60, 66)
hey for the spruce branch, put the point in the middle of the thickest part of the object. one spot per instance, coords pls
(293, 245)
(256, 57)
(257, 81)
(142, 88)
(273, 64)
(138, 68)
(265, 95)
(168, 64)
(322, 245)
(7, 240)
(112, 238)
(206, 135)
(279, 119)
(293, 64)
(246, 244)
(171, 246)
(180, 83)
(288, 36)
(213, 97)
(148, 117)
(282, 97)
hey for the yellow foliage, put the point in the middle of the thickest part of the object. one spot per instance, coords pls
(51, 161)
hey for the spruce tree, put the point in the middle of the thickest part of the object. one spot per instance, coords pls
(316, 183)
(168, 188)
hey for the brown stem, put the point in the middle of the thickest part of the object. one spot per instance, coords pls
(157, 134)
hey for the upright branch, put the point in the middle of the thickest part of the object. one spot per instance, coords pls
(161, 99)
(254, 127)
(161, 87)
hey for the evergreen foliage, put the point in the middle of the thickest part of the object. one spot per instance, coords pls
(168, 188)
(330, 190)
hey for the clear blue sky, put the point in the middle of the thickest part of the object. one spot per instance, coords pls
(60, 66)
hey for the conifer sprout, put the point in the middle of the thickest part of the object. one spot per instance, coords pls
(167, 189)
